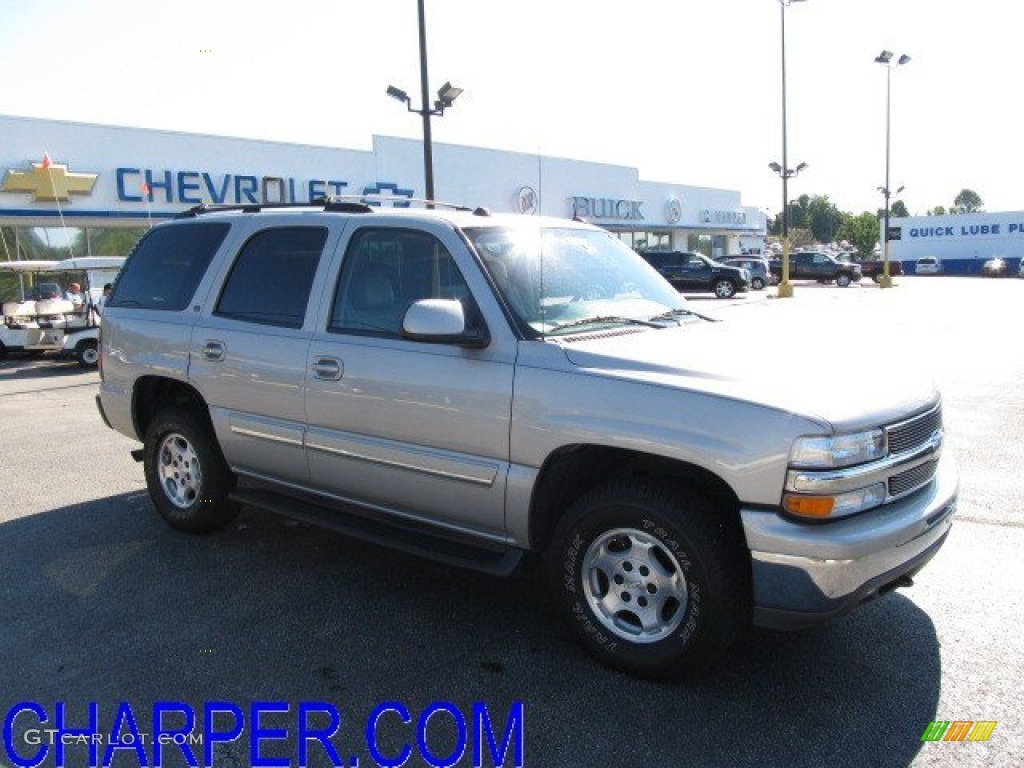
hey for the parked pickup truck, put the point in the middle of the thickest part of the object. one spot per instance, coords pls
(477, 388)
(820, 266)
(875, 268)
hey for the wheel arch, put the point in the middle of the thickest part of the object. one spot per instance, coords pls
(572, 470)
(152, 393)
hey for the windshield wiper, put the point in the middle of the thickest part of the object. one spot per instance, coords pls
(605, 319)
(673, 313)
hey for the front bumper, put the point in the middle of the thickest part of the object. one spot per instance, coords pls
(807, 573)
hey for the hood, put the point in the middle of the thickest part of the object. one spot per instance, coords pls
(823, 374)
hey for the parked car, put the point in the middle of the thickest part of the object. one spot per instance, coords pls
(995, 267)
(695, 272)
(757, 268)
(928, 265)
(1020, 269)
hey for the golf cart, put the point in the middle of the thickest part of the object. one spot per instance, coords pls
(19, 316)
(43, 320)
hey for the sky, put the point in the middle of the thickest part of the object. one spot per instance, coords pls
(684, 91)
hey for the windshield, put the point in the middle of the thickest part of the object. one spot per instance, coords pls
(560, 280)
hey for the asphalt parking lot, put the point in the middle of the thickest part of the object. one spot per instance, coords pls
(101, 602)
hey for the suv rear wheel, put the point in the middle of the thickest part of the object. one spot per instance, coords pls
(187, 477)
(649, 579)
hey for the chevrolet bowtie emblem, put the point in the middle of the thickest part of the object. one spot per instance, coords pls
(49, 182)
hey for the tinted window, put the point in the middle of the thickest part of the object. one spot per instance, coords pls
(271, 279)
(387, 270)
(166, 266)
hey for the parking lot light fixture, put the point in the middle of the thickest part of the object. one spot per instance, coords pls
(885, 59)
(446, 96)
(785, 289)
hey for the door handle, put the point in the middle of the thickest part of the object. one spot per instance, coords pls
(328, 368)
(213, 350)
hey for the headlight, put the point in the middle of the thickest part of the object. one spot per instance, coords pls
(838, 451)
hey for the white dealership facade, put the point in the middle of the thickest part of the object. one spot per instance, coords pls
(66, 185)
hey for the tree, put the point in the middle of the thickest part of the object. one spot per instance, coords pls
(824, 219)
(862, 232)
(899, 210)
(938, 210)
(968, 201)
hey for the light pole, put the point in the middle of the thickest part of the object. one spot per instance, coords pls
(785, 287)
(885, 59)
(446, 96)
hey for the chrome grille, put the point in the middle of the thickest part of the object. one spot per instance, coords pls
(915, 432)
(912, 479)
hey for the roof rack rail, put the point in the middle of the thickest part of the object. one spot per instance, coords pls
(365, 203)
(375, 199)
(328, 204)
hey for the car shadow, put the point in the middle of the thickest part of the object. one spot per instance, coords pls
(18, 366)
(101, 602)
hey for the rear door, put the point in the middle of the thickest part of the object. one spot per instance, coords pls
(249, 350)
(694, 273)
(800, 265)
(668, 266)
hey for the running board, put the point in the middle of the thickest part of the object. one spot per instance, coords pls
(496, 560)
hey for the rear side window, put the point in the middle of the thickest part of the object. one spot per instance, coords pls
(271, 279)
(166, 266)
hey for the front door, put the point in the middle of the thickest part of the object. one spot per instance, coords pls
(410, 428)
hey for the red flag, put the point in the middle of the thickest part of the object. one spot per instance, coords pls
(47, 162)
(145, 188)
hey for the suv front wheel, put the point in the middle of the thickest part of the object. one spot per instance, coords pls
(187, 477)
(649, 577)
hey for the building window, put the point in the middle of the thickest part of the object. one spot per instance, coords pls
(58, 243)
(113, 241)
(647, 241)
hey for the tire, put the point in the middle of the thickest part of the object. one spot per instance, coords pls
(724, 289)
(87, 353)
(843, 280)
(685, 592)
(187, 477)
(757, 284)
(877, 277)
(3, 351)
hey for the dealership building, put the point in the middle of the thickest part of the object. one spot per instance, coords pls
(963, 242)
(80, 189)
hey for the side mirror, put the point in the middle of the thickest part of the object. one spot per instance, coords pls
(440, 321)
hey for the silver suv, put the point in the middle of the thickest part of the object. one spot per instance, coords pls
(475, 387)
